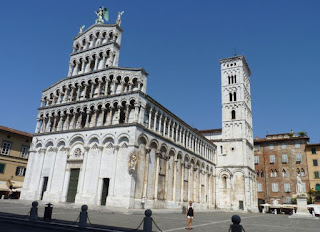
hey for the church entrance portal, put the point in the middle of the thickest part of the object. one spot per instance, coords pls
(73, 185)
(105, 189)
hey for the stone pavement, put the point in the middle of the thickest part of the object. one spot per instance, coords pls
(168, 220)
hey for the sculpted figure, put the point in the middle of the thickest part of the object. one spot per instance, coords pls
(102, 14)
(119, 17)
(132, 163)
(299, 185)
(81, 29)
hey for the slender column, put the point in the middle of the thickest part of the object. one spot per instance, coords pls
(141, 115)
(78, 93)
(113, 87)
(106, 88)
(96, 119)
(190, 183)
(72, 116)
(136, 112)
(59, 127)
(166, 179)
(55, 150)
(101, 117)
(156, 177)
(67, 125)
(149, 123)
(99, 89)
(93, 118)
(71, 94)
(84, 169)
(118, 114)
(87, 119)
(87, 69)
(85, 91)
(110, 59)
(177, 132)
(164, 126)
(155, 121)
(169, 128)
(122, 87)
(109, 122)
(74, 70)
(96, 63)
(91, 91)
(146, 172)
(101, 62)
(182, 182)
(70, 69)
(200, 186)
(127, 113)
(174, 180)
(48, 124)
(82, 67)
(160, 123)
(78, 124)
(115, 151)
(37, 126)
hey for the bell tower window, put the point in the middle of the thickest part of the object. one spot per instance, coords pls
(233, 114)
(234, 96)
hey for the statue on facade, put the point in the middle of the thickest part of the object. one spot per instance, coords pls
(132, 163)
(102, 15)
(119, 17)
(300, 189)
(81, 29)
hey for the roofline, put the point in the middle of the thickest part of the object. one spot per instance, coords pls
(210, 130)
(313, 144)
(14, 131)
(99, 25)
(264, 140)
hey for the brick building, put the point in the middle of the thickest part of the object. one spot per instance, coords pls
(278, 159)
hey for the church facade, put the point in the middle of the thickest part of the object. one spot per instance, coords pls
(101, 140)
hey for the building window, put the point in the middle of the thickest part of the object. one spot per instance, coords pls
(271, 147)
(261, 173)
(297, 145)
(272, 159)
(256, 147)
(317, 187)
(6, 147)
(20, 171)
(230, 97)
(298, 171)
(313, 150)
(275, 173)
(233, 114)
(287, 187)
(271, 173)
(315, 162)
(284, 173)
(24, 152)
(2, 167)
(288, 200)
(302, 173)
(259, 187)
(316, 175)
(284, 158)
(298, 158)
(256, 159)
(284, 146)
(234, 96)
(275, 187)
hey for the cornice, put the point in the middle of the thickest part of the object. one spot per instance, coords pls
(98, 25)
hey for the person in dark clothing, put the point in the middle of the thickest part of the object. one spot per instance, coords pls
(236, 227)
(189, 216)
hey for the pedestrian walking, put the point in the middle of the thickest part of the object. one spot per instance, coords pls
(189, 216)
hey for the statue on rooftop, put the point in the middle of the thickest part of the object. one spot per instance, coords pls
(81, 29)
(102, 15)
(119, 17)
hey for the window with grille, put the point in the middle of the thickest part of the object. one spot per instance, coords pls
(256, 147)
(24, 152)
(284, 158)
(302, 173)
(259, 187)
(256, 159)
(287, 187)
(271, 147)
(298, 158)
(313, 150)
(316, 175)
(288, 200)
(275, 187)
(272, 159)
(20, 171)
(6, 147)
(284, 173)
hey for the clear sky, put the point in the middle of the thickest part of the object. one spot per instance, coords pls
(179, 43)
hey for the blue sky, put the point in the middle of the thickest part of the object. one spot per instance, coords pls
(179, 43)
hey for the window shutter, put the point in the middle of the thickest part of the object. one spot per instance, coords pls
(17, 171)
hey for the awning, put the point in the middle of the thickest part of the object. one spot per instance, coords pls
(3, 186)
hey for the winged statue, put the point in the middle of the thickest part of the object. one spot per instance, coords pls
(102, 15)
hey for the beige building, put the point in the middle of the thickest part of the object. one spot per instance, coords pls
(313, 157)
(13, 160)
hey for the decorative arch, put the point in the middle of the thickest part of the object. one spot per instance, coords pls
(49, 143)
(76, 139)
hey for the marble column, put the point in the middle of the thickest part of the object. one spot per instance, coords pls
(174, 180)
(156, 176)
(182, 181)
(149, 122)
(146, 172)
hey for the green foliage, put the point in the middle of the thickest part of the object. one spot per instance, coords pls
(309, 201)
(294, 200)
(302, 133)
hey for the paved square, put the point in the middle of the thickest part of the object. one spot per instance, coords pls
(168, 221)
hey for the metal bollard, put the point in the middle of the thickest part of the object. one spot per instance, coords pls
(83, 216)
(47, 212)
(236, 227)
(34, 212)
(147, 221)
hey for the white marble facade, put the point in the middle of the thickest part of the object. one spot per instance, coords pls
(128, 150)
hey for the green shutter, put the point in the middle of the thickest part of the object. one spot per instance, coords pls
(2, 166)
